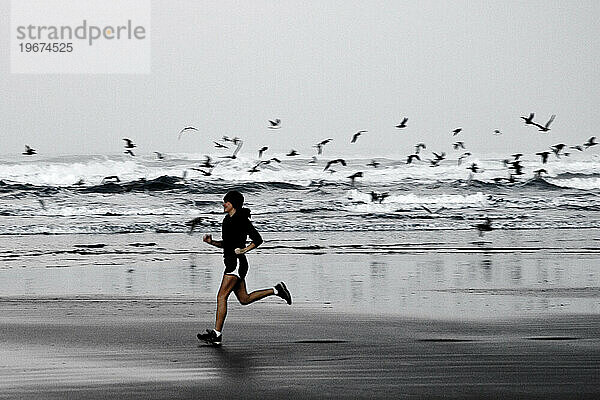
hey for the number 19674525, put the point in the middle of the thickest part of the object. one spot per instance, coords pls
(39, 47)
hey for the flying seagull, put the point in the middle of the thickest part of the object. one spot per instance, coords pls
(220, 145)
(29, 151)
(462, 157)
(458, 145)
(129, 143)
(544, 155)
(402, 124)
(320, 145)
(546, 127)
(378, 197)
(557, 148)
(439, 157)
(356, 135)
(373, 164)
(529, 120)
(330, 163)
(186, 129)
(419, 146)
(274, 124)
(292, 153)
(411, 158)
(516, 165)
(207, 162)
(128, 151)
(160, 156)
(473, 167)
(203, 172)
(590, 142)
(262, 150)
(456, 131)
(274, 159)
(355, 175)
(255, 168)
(237, 149)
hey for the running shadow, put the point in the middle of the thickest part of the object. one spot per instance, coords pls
(236, 364)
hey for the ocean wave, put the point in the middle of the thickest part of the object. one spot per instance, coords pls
(161, 183)
(145, 173)
(540, 183)
(221, 187)
(157, 197)
(164, 182)
(590, 183)
(474, 183)
(7, 187)
(571, 175)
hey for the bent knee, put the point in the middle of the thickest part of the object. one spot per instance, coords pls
(244, 301)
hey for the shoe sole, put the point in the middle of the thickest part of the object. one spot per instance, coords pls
(208, 341)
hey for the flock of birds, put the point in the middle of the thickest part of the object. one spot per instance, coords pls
(514, 166)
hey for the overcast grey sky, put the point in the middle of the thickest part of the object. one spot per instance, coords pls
(327, 69)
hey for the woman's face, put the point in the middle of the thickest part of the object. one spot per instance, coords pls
(227, 207)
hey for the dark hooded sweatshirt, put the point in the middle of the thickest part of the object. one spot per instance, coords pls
(235, 230)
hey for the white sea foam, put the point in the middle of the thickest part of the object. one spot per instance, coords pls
(46, 173)
(72, 211)
(592, 183)
(413, 201)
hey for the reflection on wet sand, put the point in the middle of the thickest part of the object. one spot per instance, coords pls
(444, 283)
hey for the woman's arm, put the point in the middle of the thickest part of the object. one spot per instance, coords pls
(254, 237)
(245, 249)
(208, 239)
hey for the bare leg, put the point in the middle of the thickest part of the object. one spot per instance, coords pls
(228, 283)
(245, 298)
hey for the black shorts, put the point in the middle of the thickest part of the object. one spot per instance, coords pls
(236, 265)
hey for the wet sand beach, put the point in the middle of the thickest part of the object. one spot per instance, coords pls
(516, 317)
(146, 349)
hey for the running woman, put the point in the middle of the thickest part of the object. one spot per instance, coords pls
(235, 229)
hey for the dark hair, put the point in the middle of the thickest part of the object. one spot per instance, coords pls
(235, 198)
